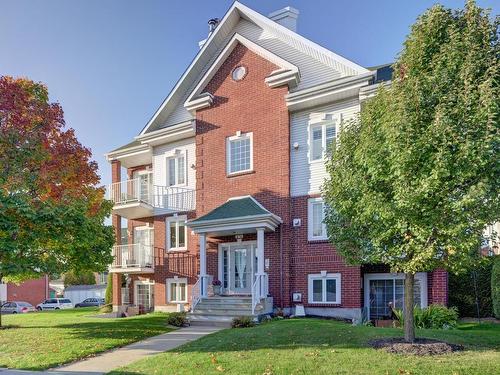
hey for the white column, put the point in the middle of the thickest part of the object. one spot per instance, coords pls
(203, 265)
(260, 264)
(260, 251)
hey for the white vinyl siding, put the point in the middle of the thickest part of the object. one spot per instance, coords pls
(177, 290)
(176, 233)
(307, 176)
(316, 230)
(313, 70)
(324, 288)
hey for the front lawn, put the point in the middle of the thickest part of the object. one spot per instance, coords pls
(47, 339)
(313, 346)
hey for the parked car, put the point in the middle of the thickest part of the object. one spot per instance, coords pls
(55, 304)
(91, 302)
(17, 307)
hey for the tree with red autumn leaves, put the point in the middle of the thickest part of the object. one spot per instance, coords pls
(52, 210)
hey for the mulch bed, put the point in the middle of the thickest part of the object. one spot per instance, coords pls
(420, 347)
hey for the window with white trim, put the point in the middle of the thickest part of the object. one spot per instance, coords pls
(176, 170)
(239, 153)
(316, 227)
(324, 288)
(177, 290)
(176, 233)
(321, 137)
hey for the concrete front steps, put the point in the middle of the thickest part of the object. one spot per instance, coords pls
(220, 311)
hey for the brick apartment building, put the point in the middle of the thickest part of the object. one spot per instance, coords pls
(223, 183)
(33, 291)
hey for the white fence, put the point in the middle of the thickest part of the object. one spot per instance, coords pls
(78, 293)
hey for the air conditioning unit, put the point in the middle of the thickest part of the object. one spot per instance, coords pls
(297, 222)
(297, 297)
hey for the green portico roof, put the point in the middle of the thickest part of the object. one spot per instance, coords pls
(234, 208)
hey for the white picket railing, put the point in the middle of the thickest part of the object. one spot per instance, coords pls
(135, 190)
(135, 255)
(196, 291)
(195, 294)
(139, 190)
(174, 198)
(259, 289)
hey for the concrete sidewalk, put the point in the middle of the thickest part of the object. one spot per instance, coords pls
(113, 359)
(123, 356)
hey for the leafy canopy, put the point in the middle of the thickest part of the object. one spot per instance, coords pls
(415, 179)
(51, 210)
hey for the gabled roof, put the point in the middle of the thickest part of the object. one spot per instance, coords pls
(242, 212)
(218, 39)
(286, 74)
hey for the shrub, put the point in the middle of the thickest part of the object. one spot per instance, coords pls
(108, 297)
(242, 322)
(177, 319)
(79, 278)
(495, 287)
(465, 287)
(433, 316)
(106, 308)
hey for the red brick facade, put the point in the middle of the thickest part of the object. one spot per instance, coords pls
(245, 106)
(32, 291)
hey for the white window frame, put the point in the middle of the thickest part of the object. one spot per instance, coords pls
(178, 281)
(323, 124)
(228, 152)
(176, 156)
(324, 276)
(310, 224)
(176, 219)
(421, 276)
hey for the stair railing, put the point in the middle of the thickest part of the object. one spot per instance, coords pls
(195, 294)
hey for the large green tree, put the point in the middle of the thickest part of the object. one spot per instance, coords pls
(52, 210)
(415, 179)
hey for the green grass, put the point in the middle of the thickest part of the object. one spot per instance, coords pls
(46, 339)
(313, 346)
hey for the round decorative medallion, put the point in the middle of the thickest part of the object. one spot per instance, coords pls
(239, 73)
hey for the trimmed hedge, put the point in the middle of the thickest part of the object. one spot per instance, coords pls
(462, 290)
(495, 287)
(177, 319)
(108, 297)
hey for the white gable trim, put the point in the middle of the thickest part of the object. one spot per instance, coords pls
(297, 41)
(286, 74)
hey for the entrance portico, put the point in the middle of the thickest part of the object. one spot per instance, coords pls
(241, 264)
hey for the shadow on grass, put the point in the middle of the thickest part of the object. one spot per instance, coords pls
(312, 333)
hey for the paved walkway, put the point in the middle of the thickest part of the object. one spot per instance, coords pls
(113, 359)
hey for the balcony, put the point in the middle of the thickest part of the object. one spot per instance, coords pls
(139, 198)
(132, 258)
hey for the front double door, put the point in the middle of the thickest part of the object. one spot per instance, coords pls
(237, 266)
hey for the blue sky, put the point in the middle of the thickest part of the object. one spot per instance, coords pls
(110, 63)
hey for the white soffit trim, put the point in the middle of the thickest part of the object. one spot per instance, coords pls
(293, 39)
(327, 92)
(169, 134)
(286, 74)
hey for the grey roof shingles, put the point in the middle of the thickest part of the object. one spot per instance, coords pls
(234, 208)
(128, 145)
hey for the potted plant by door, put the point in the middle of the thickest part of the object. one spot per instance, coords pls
(217, 286)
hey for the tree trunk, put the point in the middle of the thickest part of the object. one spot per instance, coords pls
(409, 323)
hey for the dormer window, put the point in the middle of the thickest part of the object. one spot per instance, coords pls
(239, 153)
